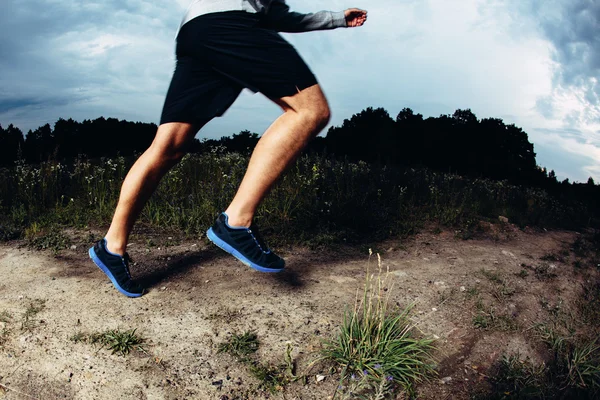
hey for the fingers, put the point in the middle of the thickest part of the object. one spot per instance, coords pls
(355, 17)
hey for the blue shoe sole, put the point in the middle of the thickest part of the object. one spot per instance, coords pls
(223, 245)
(104, 269)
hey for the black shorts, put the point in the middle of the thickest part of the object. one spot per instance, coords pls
(218, 55)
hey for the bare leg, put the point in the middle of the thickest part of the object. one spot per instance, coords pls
(306, 113)
(142, 179)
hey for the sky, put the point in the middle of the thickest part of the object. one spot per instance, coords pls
(533, 63)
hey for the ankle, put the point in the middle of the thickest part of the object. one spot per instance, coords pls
(113, 246)
(236, 219)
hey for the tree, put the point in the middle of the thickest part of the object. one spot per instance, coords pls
(12, 144)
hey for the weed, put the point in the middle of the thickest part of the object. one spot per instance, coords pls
(240, 346)
(481, 321)
(472, 292)
(79, 337)
(589, 304)
(523, 274)
(53, 240)
(552, 257)
(501, 293)
(224, 313)
(5, 319)
(275, 378)
(492, 276)
(487, 319)
(34, 308)
(513, 378)
(379, 341)
(116, 340)
(545, 272)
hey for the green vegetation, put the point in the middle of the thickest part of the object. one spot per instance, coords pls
(310, 205)
(271, 377)
(28, 320)
(5, 319)
(240, 346)
(572, 373)
(116, 340)
(376, 346)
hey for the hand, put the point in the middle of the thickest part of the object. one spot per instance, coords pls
(355, 17)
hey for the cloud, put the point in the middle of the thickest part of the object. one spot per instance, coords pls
(572, 27)
(529, 62)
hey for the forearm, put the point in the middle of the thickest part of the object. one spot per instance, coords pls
(279, 17)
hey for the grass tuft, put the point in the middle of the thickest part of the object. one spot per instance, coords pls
(240, 346)
(377, 342)
(34, 308)
(115, 340)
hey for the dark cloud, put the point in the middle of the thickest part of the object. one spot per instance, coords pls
(573, 27)
(56, 53)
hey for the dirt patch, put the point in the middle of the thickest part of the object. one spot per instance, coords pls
(472, 295)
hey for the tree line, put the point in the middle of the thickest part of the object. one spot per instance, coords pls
(458, 143)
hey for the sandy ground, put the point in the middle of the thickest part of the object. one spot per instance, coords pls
(199, 295)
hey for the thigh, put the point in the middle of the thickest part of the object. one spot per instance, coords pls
(197, 93)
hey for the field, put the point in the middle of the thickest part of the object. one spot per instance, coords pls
(510, 304)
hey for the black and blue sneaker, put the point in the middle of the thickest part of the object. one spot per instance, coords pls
(116, 267)
(245, 244)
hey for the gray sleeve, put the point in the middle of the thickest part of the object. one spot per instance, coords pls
(278, 16)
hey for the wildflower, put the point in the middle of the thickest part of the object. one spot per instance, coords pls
(389, 378)
(365, 372)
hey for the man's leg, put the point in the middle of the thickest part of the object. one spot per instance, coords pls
(305, 115)
(166, 150)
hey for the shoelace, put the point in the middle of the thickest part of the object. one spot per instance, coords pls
(253, 231)
(126, 260)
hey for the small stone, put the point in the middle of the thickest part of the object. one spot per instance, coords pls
(436, 337)
(163, 288)
(168, 258)
(463, 289)
(207, 281)
(446, 380)
(390, 249)
(477, 281)
(320, 378)
(73, 247)
(434, 309)
(503, 219)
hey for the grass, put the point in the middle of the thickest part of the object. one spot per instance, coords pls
(240, 345)
(271, 377)
(379, 343)
(116, 340)
(53, 240)
(33, 309)
(312, 200)
(492, 276)
(5, 319)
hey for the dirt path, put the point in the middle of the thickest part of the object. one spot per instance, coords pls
(199, 295)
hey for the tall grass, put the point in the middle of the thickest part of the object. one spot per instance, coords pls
(376, 347)
(318, 200)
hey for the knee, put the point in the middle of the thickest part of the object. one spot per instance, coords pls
(167, 154)
(318, 115)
